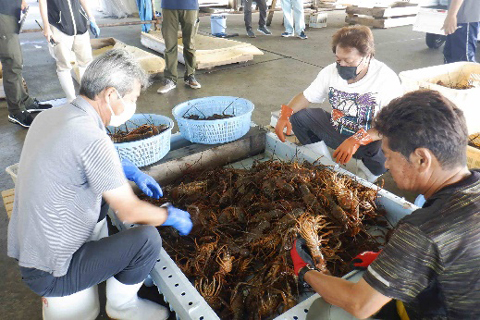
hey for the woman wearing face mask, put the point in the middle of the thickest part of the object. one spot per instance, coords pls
(356, 86)
(68, 164)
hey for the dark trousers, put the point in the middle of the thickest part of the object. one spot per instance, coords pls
(129, 255)
(313, 125)
(188, 20)
(12, 64)
(247, 12)
(462, 44)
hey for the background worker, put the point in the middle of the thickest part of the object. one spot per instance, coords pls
(66, 22)
(357, 86)
(19, 103)
(247, 16)
(68, 164)
(184, 13)
(431, 260)
(294, 19)
(462, 28)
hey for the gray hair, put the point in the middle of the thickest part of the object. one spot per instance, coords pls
(116, 68)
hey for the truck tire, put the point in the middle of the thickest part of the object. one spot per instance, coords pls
(435, 41)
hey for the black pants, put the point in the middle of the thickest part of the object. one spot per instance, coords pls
(247, 13)
(313, 125)
(462, 44)
(129, 255)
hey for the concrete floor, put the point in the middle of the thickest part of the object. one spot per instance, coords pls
(287, 67)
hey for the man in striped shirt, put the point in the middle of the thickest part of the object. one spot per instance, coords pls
(431, 261)
(68, 163)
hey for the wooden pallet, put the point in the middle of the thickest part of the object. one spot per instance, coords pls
(396, 15)
(381, 23)
(389, 12)
(331, 4)
(8, 197)
(210, 51)
(150, 62)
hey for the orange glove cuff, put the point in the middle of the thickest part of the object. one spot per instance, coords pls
(337, 114)
(286, 112)
(362, 137)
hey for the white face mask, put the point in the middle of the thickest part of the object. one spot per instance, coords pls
(128, 111)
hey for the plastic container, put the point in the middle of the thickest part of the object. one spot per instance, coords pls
(12, 171)
(318, 20)
(80, 305)
(146, 151)
(218, 22)
(214, 131)
(453, 73)
(473, 157)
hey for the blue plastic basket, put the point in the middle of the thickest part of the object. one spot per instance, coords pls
(146, 151)
(214, 131)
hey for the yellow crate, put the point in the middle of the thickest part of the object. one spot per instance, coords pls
(473, 157)
(8, 198)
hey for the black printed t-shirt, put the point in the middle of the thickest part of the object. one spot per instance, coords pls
(432, 261)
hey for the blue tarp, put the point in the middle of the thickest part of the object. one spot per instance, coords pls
(145, 12)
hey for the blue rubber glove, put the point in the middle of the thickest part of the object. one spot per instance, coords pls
(147, 184)
(94, 29)
(178, 219)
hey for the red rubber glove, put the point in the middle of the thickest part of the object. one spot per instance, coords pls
(364, 259)
(347, 149)
(283, 121)
(300, 255)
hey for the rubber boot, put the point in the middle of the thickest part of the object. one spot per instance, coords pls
(100, 231)
(321, 149)
(80, 305)
(317, 151)
(124, 304)
(66, 82)
(420, 201)
(81, 72)
(365, 173)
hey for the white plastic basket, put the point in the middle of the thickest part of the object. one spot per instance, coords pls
(214, 131)
(12, 171)
(146, 151)
(457, 73)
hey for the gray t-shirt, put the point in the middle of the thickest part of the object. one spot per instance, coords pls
(67, 162)
(469, 11)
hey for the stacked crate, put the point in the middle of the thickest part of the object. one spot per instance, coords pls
(332, 4)
(395, 15)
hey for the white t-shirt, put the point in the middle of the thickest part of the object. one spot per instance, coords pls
(359, 101)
